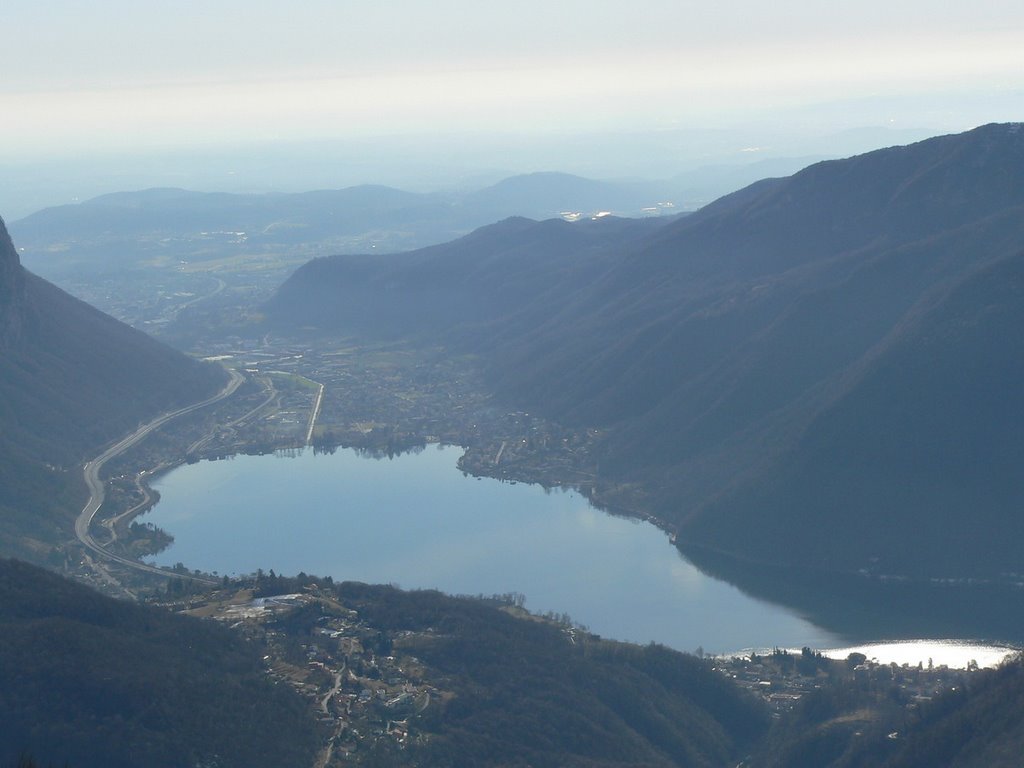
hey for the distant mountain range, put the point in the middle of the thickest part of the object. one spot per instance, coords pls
(822, 370)
(71, 380)
(117, 231)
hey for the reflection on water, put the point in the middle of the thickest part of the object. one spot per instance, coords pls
(415, 520)
(867, 610)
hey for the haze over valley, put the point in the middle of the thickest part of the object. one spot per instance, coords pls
(694, 370)
(530, 385)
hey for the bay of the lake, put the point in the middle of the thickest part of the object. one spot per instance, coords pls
(416, 521)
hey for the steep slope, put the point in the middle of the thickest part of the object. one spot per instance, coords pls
(981, 726)
(834, 351)
(92, 681)
(490, 275)
(71, 379)
(979, 723)
(12, 292)
(515, 690)
(864, 367)
(728, 271)
(831, 352)
(916, 450)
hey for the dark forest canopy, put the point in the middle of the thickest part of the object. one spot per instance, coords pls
(95, 681)
(92, 681)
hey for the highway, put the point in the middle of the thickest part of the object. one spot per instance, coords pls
(271, 395)
(97, 490)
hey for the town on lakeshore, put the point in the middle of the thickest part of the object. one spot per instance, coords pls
(382, 400)
(369, 688)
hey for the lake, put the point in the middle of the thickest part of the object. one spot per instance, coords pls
(415, 520)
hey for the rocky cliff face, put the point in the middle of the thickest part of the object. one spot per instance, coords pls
(12, 291)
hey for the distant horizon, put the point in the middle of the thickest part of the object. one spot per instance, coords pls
(430, 163)
(122, 76)
(119, 95)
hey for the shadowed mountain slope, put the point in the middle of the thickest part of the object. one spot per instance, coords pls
(819, 370)
(71, 380)
(93, 681)
(977, 724)
(490, 275)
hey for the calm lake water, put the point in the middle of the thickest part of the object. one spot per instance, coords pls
(416, 521)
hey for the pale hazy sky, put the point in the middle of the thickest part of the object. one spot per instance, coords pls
(117, 75)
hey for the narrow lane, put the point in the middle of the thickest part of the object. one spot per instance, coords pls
(315, 414)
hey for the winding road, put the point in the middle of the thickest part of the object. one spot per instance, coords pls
(97, 489)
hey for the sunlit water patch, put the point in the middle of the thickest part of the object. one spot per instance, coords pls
(954, 654)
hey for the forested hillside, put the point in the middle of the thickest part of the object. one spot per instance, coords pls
(862, 724)
(512, 689)
(92, 681)
(452, 291)
(71, 380)
(821, 370)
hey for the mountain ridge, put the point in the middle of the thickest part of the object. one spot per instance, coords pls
(125, 229)
(11, 290)
(714, 348)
